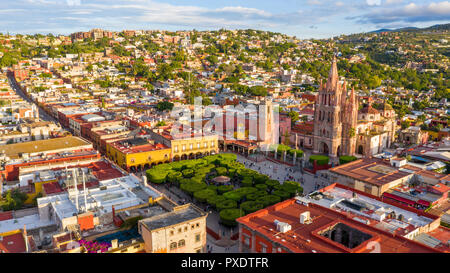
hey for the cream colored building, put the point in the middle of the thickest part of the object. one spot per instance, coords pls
(182, 230)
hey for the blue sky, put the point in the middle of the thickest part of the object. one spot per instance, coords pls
(302, 18)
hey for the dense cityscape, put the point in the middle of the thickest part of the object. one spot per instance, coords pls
(225, 141)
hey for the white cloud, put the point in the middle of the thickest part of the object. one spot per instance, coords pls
(373, 2)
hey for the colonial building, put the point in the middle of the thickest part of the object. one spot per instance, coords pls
(335, 117)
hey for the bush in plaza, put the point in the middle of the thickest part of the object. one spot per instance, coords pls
(191, 187)
(255, 195)
(198, 179)
(212, 187)
(226, 204)
(296, 151)
(177, 166)
(281, 148)
(233, 195)
(229, 157)
(346, 159)
(156, 176)
(188, 173)
(272, 183)
(246, 190)
(251, 206)
(320, 159)
(262, 187)
(202, 195)
(292, 187)
(247, 182)
(228, 216)
(281, 193)
(269, 200)
(221, 171)
(260, 178)
(174, 177)
(212, 200)
(224, 188)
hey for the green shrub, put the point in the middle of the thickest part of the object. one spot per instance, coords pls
(212, 200)
(188, 173)
(346, 159)
(269, 200)
(221, 171)
(174, 177)
(255, 195)
(281, 193)
(251, 206)
(202, 195)
(191, 187)
(233, 195)
(292, 187)
(262, 187)
(260, 178)
(156, 176)
(320, 159)
(281, 148)
(272, 183)
(226, 204)
(228, 216)
(247, 182)
(224, 188)
(296, 151)
(212, 187)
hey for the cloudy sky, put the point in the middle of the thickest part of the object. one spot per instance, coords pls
(302, 18)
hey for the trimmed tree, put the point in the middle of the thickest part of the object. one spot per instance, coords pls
(251, 206)
(228, 216)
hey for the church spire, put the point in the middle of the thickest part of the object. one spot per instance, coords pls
(333, 76)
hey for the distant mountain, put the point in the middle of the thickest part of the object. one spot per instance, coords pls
(409, 29)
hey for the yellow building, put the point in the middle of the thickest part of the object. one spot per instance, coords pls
(186, 146)
(137, 154)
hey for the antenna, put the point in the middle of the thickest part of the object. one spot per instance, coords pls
(76, 188)
(84, 191)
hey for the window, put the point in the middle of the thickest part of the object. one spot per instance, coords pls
(212, 143)
(198, 145)
(198, 250)
(185, 228)
(197, 238)
(171, 232)
(197, 225)
(246, 240)
(173, 245)
(190, 146)
(184, 148)
(181, 243)
(192, 227)
(132, 160)
(136, 246)
(205, 144)
(179, 230)
(263, 248)
(176, 149)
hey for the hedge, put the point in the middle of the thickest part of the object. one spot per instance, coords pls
(281, 193)
(281, 148)
(251, 206)
(269, 200)
(226, 204)
(212, 187)
(221, 171)
(320, 159)
(224, 188)
(188, 173)
(212, 200)
(247, 182)
(255, 195)
(262, 187)
(202, 195)
(297, 151)
(261, 178)
(228, 216)
(272, 183)
(292, 187)
(191, 187)
(346, 159)
(233, 195)
(156, 176)
(173, 177)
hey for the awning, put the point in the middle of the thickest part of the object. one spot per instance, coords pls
(398, 198)
(423, 202)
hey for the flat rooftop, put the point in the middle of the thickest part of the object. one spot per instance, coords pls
(180, 214)
(15, 150)
(371, 170)
(309, 238)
